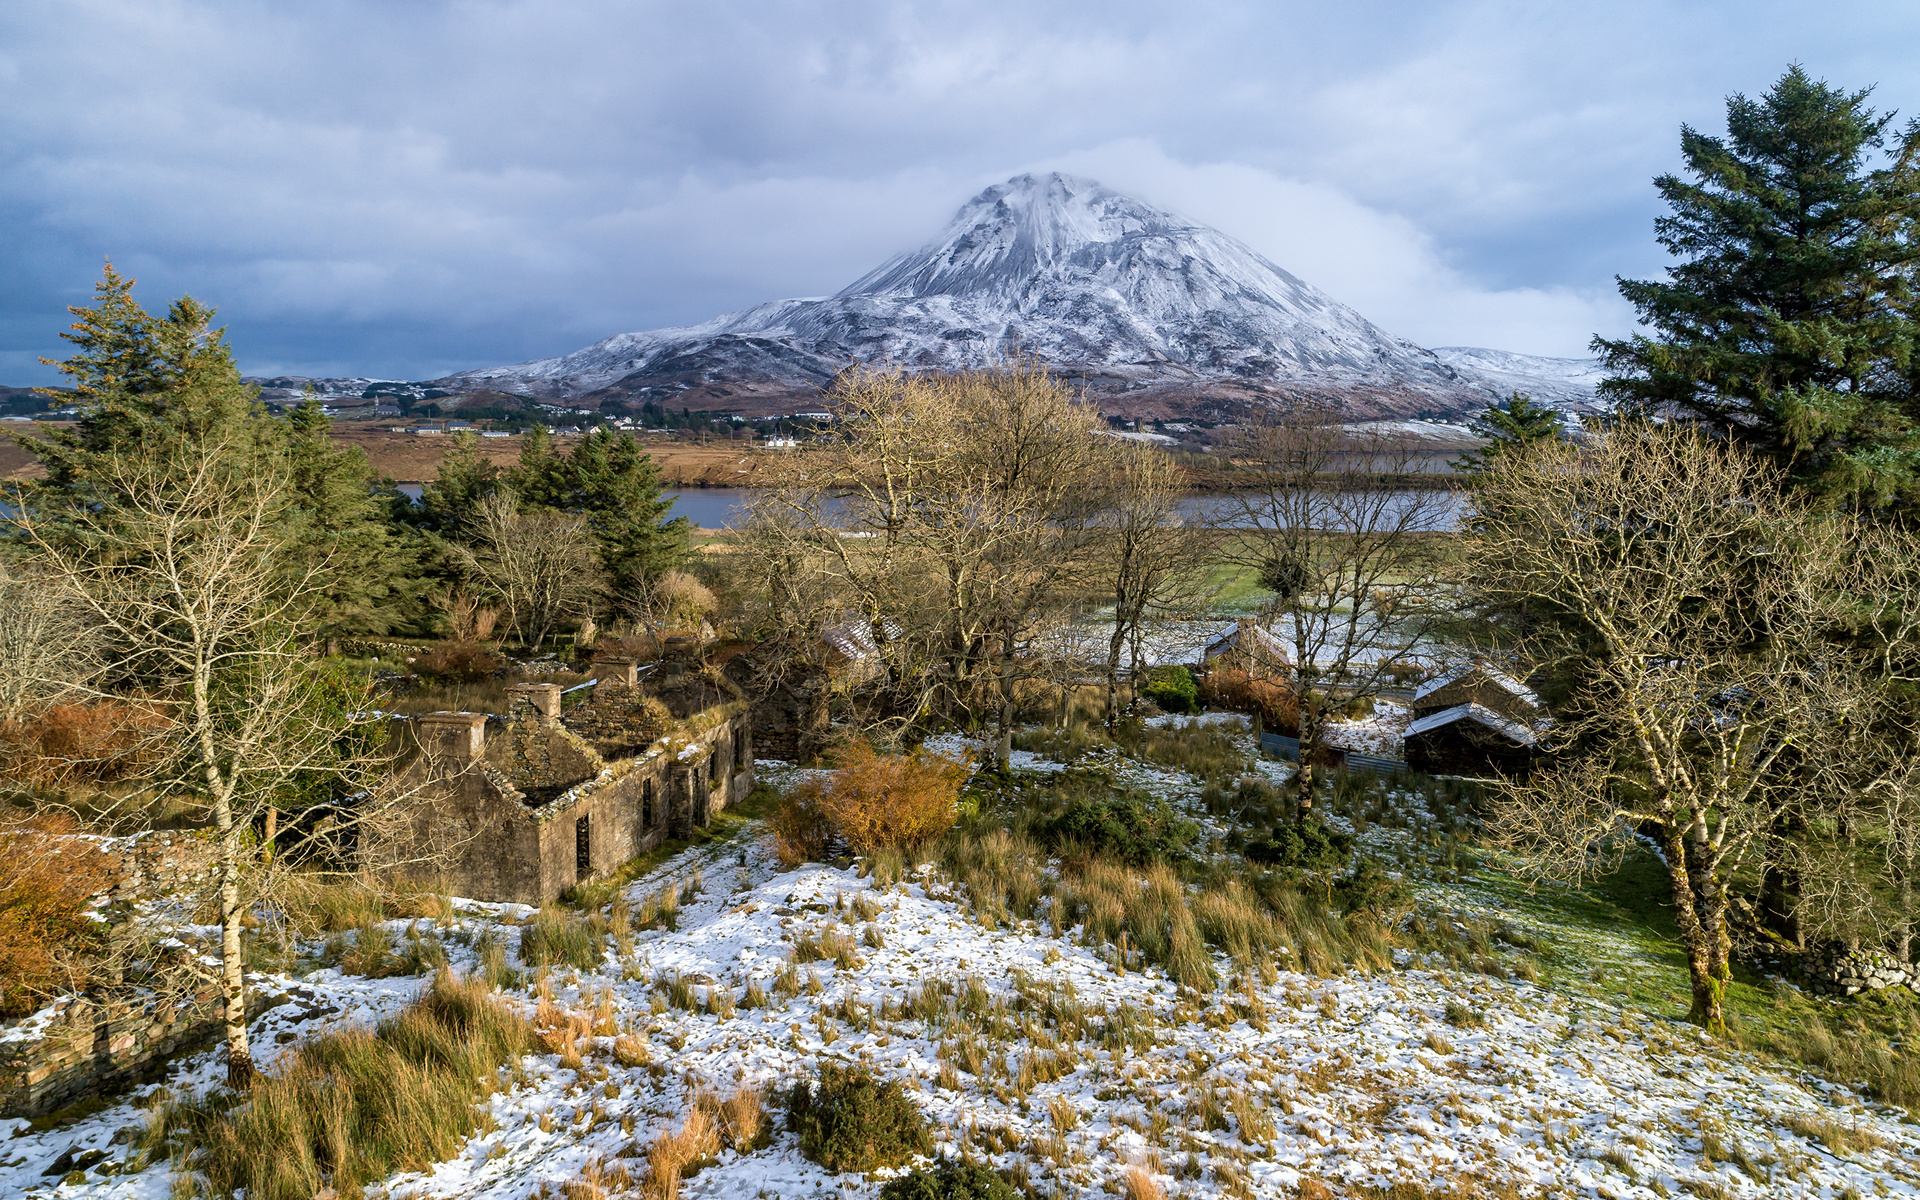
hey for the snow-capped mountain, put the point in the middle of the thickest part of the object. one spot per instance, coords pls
(1566, 383)
(1142, 307)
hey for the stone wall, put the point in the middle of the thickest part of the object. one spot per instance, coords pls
(163, 863)
(85, 1045)
(618, 721)
(1837, 971)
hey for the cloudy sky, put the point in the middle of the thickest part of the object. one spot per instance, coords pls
(402, 188)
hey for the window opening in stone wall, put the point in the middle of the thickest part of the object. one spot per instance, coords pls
(582, 848)
(740, 751)
(646, 806)
(713, 768)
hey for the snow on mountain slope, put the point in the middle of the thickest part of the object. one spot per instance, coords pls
(1123, 297)
(1559, 382)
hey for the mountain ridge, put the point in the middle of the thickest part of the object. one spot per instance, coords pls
(1151, 313)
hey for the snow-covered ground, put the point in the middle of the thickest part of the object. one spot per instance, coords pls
(1413, 1075)
(1378, 734)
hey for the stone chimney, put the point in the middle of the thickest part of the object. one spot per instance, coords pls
(618, 672)
(540, 700)
(457, 736)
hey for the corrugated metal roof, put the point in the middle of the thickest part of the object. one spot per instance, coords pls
(1512, 730)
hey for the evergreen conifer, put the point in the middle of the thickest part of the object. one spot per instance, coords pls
(1789, 322)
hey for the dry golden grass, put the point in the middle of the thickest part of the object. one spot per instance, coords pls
(351, 1108)
(1141, 1185)
(696, 1143)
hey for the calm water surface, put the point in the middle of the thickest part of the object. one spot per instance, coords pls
(719, 508)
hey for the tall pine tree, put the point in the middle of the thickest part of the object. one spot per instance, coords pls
(1789, 322)
(615, 484)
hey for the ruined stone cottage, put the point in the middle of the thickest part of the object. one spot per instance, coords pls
(522, 809)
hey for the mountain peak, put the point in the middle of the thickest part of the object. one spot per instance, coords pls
(1014, 230)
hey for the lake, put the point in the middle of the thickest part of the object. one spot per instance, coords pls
(719, 508)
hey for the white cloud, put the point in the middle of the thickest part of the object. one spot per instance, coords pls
(1379, 263)
(416, 186)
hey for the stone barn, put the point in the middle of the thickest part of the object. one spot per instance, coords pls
(1472, 682)
(1468, 739)
(1249, 648)
(524, 808)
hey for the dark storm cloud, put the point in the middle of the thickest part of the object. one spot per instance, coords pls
(404, 188)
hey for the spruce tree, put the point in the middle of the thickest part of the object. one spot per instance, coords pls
(369, 568)
(146, 386)
(1789, 322)
(166, 390)
(1511, 424)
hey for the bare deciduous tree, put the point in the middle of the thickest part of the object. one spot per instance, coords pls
(1692, 609)
(1149, 559)
(1349, 551)
(539, 564)
(48, 649)
(957, 512)
(189, 575)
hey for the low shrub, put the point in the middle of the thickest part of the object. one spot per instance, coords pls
(1296, 846)
(951, 1180)
(101, 741)
(48, 878)
(801, 832)
(1173, 689)
(463, 660)
(1369, 890)
(1275, 702)
(888, 800)
(855, 1122)
(351, 1108)
(1127, 825)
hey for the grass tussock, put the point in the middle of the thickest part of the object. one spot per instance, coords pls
(329, 903)
(351, 1108)
(1157, 916)
(738, 1122)
(556, 937)
(1883, 1055)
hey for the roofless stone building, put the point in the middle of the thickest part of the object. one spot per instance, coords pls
(524, 808)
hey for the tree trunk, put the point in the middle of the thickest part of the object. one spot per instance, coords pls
(1780, 885)
(1309, 746)
(233, 967)
(1699, 941)
(1114, 649)
(1003, 748)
